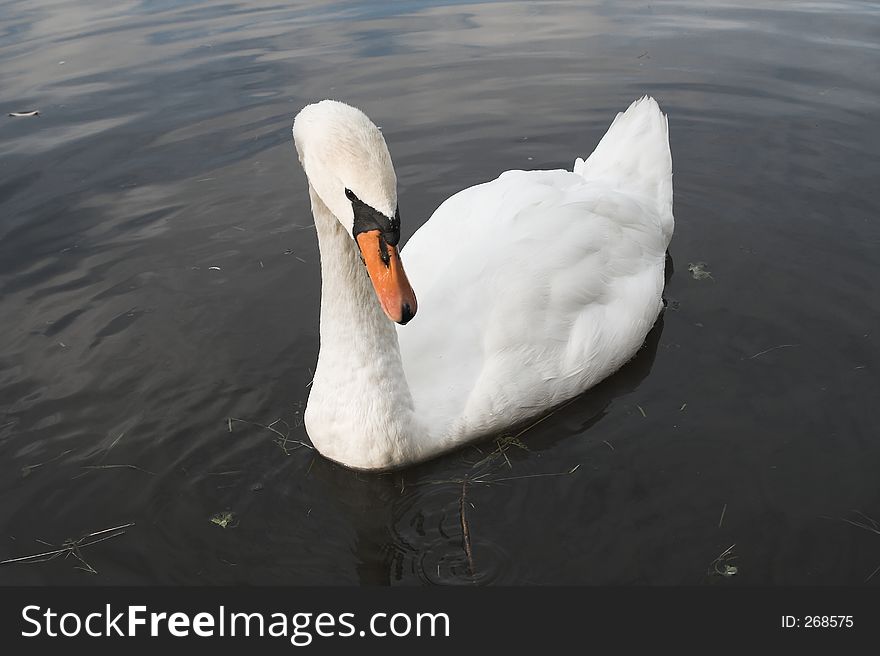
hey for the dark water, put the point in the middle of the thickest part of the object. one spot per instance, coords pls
(163, 149)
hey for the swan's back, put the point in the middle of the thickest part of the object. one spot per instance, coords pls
(535, 286)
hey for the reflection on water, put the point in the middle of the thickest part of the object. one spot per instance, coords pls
(159, 275)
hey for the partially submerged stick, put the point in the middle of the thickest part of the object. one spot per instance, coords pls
(72, 547)
(465, 530)
(283, 438)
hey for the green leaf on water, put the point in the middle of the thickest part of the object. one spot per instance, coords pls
(224, 519)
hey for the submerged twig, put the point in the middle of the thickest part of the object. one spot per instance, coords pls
(773, 348)
(545, 417)
(516, 478)
(720, 565)
(465, 530)
(120, 466)
(283, 438)
(72, 548)
(482, 478)
(27, 469)
(112, 444)
(485, 477)
(870, 525)
(502, 445)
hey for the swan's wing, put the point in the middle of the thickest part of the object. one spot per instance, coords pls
(531, 288)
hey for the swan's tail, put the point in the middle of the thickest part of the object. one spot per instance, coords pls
(634, 156)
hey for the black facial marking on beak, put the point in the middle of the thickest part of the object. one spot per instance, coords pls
(406, 314)
(383, 252)
(367, 218)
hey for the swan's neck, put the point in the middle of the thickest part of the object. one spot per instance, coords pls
(360, 410)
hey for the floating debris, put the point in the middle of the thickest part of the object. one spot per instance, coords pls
(517, 478)
(27, 469)
(33, 112)
(282, 441)
(224, 519)
(865, 522)
(119, 466)
(699, 271)
(721, 567)
(72, 548)
(773, 348)
(465, 532)
(214, 269)
(502, 445)
(868, 524)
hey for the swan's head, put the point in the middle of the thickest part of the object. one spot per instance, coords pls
(349, 167)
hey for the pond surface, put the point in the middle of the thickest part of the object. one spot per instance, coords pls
(159, 293)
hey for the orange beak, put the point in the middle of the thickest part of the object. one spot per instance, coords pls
(388, 277)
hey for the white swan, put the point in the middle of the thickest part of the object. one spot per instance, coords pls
(532, 288)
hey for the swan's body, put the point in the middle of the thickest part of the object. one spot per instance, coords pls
(532, 288)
